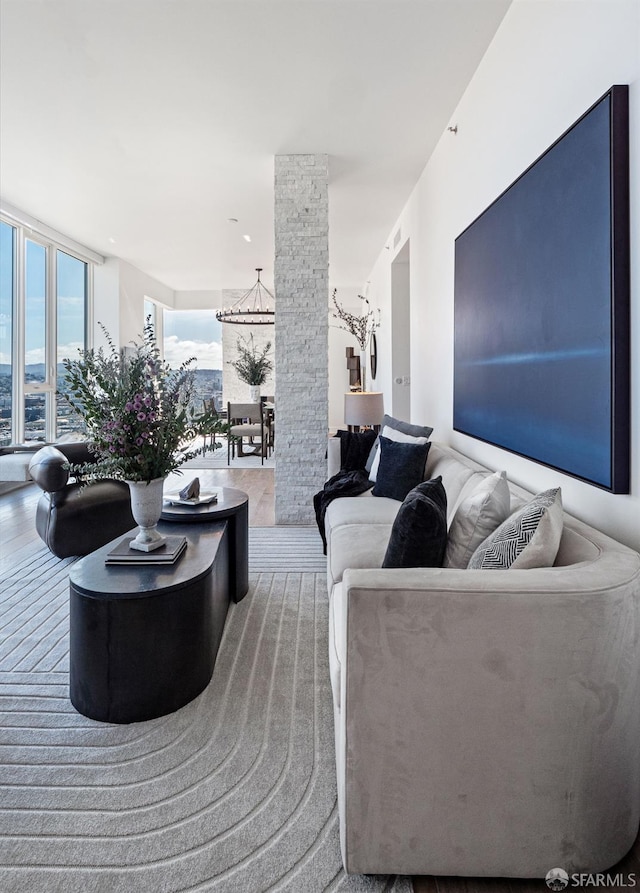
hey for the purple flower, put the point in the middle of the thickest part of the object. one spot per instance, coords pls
(141, 417)
(128, 406)
(139, 441)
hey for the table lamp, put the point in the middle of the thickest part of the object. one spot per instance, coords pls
(363, 409)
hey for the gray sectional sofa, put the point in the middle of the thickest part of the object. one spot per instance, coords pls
(487, 722)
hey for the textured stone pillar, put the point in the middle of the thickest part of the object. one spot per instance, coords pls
(301, 271)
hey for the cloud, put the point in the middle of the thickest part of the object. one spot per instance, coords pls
(208, 354)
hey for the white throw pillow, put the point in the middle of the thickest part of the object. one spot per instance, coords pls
(530, 537)
(477, 516)
(399, 437)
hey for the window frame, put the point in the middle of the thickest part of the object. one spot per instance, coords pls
(46, 238)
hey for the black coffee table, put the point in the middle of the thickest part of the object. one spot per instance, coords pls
(233, 507)
(144, 639)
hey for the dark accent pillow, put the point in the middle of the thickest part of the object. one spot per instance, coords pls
(419, 533)
(404, 427)
(401, 467)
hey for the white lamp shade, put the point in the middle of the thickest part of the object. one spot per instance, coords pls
(363, 408)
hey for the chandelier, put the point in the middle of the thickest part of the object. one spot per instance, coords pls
(252, 309)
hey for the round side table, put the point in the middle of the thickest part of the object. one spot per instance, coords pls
(233, 507)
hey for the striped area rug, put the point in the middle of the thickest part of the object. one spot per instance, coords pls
(233, 793)
(285, 549)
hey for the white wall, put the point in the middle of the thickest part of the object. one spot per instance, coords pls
(547, 64)
(106, 301)
(135, 286)
(119, 294)
(197, 300)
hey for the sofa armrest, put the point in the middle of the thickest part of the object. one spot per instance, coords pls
(49, 468)
(496, 709)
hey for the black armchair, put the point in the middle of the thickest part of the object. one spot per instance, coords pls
(73, 518)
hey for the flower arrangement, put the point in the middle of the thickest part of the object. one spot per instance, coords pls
(361, 327)
(136, 409)
(253, 365)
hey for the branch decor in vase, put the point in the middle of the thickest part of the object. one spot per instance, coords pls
(139, 421)
(362, 327)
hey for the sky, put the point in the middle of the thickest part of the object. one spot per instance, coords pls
(189, 333)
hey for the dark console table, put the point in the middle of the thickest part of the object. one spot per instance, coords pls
(144, 639)
(233, 507)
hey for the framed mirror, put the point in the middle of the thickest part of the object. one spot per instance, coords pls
(374, 355)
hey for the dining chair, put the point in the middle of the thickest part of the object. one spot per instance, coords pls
(269, 412)
(210, 407)
(246, 420)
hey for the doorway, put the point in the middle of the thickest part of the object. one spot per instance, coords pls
(400, 337)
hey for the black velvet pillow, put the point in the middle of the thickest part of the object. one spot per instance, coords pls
(401, 468)
(419, 533)
(388, 421)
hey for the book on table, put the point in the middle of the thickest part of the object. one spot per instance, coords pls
(203, 499)
(167, 553)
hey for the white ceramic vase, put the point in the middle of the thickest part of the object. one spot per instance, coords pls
(363, 370)
(254, 393)
(146, 508)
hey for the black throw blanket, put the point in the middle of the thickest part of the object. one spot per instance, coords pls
(355, 447)
(344, 483)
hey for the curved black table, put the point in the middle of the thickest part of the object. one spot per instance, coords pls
(233, 507)
(144, 639)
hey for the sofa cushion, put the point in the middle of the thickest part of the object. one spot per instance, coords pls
(419, 533)
(389, 421)
(395, 429)
(529, 538)
(398, 437)
(477, 516)
(401, 468)
(459, 474)
(356, 546)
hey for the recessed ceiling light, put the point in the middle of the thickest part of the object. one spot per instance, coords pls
(112, 240)
(246, 238)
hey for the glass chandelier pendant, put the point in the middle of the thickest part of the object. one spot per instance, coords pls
(253, 308)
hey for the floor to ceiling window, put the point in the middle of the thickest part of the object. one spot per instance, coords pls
(44, 299)
(7, 277)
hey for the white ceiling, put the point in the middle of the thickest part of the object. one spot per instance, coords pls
(138, 127)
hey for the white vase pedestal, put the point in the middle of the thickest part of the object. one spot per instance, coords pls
(146, 508)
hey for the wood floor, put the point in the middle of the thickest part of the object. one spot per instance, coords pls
(17, 510)
(18, 507)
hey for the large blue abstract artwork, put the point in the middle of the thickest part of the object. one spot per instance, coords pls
(542, 307)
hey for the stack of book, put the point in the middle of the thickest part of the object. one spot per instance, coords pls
(168, 553)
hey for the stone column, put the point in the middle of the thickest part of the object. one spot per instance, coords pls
(301, 271)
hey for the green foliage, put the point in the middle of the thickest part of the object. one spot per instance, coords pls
(253, 365)
(136, 410)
